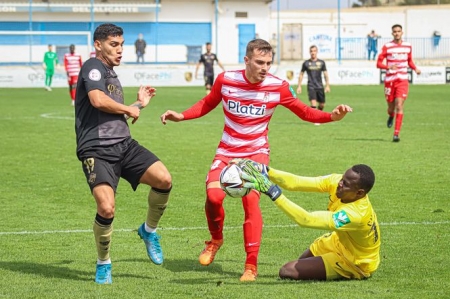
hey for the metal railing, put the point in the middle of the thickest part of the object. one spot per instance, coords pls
(423, 48)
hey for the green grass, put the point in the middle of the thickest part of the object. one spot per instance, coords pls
(46, 244)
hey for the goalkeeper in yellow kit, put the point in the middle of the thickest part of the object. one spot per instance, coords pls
(352, 249)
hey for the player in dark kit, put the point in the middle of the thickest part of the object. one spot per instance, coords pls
(314, 67)
(207, 59)
(107, 151)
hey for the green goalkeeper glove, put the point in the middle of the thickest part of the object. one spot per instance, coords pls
(254, 179)
(247, 163)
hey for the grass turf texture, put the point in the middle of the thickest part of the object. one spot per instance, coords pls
(46, 244)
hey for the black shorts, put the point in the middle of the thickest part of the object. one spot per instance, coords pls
(127, 159)
(209, 79)
(316, 94)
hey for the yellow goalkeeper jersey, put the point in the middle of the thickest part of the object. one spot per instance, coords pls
(354, 224)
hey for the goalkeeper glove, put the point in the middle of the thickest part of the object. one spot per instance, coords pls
(254, 179)
(247, 163)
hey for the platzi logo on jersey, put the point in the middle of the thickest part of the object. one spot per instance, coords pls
(340, 219)
(237, 108)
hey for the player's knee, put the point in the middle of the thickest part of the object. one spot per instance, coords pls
(106, 210)
(215, 197)
(165, 180)
(285, 273)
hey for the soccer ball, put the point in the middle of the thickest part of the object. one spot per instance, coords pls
(231, 182)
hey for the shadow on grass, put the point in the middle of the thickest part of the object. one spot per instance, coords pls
(57, 270)
(50, 271)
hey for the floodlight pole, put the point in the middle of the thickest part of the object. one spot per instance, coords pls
(278, 33)
(156, 33)
(30, 28)
(92, 19)
(217, 26)
(339, 31)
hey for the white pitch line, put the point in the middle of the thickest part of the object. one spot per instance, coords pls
(46, 232)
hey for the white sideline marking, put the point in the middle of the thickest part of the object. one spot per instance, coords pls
(45, 232)
(55, 115)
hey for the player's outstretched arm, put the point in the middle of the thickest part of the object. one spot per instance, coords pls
(340, 112)
(172, 116)
(144, 95)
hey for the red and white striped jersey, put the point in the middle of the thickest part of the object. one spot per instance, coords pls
(399, 55)
(248, 108)
(72, 63)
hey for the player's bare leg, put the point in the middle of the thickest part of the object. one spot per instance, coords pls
(307, 267)
(313, 103)
(208, 89)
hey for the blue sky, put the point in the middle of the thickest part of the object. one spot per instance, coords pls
(308, 4)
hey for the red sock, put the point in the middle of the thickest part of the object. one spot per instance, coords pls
(252, 227)
(398, 123)
(392, 114)
(215, 214)
(72, 94)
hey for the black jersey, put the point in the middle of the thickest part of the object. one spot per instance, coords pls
(95, 128)
(314, 70)
(208, 62)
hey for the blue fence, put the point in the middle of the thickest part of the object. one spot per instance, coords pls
(423, 48)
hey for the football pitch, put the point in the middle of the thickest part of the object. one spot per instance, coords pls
(47, 247)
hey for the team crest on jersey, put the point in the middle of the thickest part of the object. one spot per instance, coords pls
(266, 97)
(340, 219)
(95, 75)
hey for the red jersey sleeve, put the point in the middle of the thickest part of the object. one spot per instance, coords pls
(208, 103)
(303, 111)
(381, 58)
(410, 60)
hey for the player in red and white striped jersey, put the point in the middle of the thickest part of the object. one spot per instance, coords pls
(249, 98)
(72, 63)
(398, 55)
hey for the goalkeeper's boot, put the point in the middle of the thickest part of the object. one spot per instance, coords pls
(390, 121)
(396, 138)
(207, 255)
(151, 241)
(103, 274)
(250, 273)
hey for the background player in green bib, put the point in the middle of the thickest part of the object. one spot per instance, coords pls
(50, 61)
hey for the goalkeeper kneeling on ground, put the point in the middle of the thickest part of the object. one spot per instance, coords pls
(352, 249)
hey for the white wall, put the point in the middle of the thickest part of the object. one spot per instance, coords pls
(417, 22)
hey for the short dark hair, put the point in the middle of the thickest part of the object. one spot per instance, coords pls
(397, 25)
(208, 44)
(313, 46)
(103, 31)
(366, 176)
(258, 44)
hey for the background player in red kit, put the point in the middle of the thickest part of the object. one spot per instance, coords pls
(398, 55)
(72, 64)
(249, 98)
